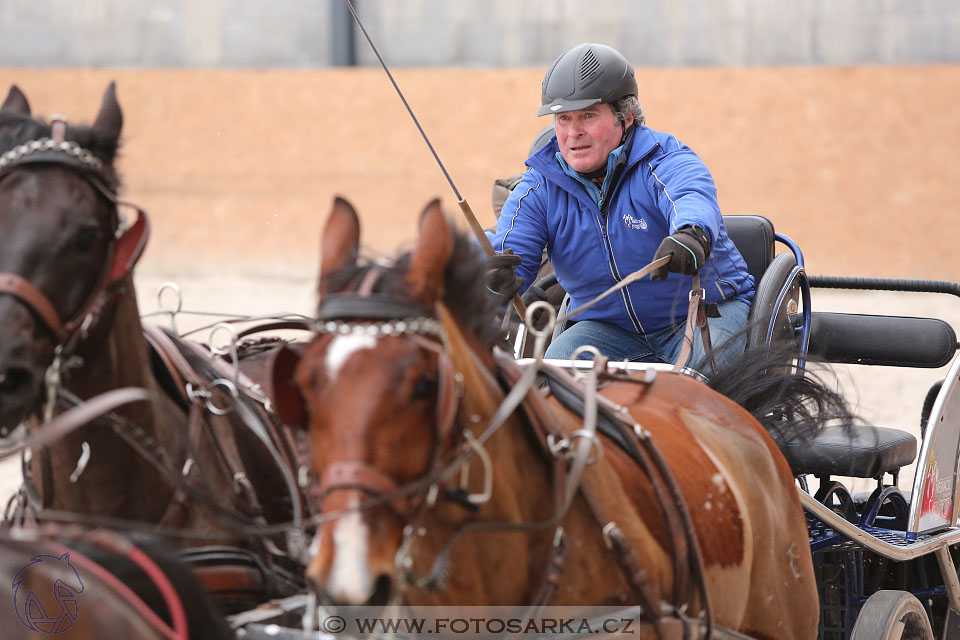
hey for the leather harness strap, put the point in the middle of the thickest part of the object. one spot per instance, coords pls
(34, 299)
(225, 445)
(696, 317)
(540, 416)
(684, 551)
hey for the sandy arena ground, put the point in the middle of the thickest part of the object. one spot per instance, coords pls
(238, 169)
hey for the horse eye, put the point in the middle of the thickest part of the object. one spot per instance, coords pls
(423, 388)
(84, 238)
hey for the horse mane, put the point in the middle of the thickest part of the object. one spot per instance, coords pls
(465, 293)
(791, 404)
(15, 129)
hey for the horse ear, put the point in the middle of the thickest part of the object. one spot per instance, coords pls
(110, 119)
(429, 260)
(16, 102)
(283, 392)
(340, 241)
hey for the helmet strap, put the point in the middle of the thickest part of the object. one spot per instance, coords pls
(626, 132)
(595, 176)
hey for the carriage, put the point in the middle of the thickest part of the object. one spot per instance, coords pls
(883, 565)
(886, 560)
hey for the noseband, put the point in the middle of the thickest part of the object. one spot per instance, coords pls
(123, 251)
(362, 314)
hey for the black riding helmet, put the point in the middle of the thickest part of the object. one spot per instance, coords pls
(586, 75)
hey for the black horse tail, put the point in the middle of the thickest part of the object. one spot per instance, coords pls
(791, 403)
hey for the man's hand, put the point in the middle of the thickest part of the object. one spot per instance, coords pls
(688, 248)
(502, 276)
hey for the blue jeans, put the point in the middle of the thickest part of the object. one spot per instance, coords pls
(657, 346)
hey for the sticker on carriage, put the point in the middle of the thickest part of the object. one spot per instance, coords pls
(936, 507)
(634, 223)
(46, 594)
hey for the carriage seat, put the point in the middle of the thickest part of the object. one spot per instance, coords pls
(850, 338)
(753, 236)
(852, 451)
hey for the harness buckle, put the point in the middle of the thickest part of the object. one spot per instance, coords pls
(558, 445)
(58, 128)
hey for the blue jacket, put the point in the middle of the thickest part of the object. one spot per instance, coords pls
(595, 240)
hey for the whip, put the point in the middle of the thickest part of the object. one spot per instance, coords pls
(472, 221)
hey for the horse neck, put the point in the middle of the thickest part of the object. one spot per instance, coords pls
(114, 356)
(517, 462)
(524, 492)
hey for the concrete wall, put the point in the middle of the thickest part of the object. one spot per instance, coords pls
(312, 33)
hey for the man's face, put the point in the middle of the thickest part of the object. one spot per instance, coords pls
(586, 137)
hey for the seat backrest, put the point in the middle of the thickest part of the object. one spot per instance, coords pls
(754, 238)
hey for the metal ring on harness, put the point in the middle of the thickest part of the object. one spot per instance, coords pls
(592, 435)
(599, 360)
(172, 286)
(231, 389)
(230, 349)
(547, 330)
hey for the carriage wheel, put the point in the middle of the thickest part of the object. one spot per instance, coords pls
(768, 306)
(892, 615)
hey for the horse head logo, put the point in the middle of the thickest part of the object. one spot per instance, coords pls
(54, 609)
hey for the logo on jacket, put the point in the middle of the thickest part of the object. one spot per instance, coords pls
(53, 610)
(633, 223)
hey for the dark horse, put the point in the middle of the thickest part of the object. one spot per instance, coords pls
(403, 387)
(70, 330)
(102, 585)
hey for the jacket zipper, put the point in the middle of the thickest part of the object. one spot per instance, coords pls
(612, 263)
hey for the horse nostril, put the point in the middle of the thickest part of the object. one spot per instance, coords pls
(382, 590)
(14, 379)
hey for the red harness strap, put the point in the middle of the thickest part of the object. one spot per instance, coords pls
(179, 629)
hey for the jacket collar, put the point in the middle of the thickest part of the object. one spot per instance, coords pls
(639, 144)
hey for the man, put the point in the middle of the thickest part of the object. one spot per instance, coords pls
(608, 195)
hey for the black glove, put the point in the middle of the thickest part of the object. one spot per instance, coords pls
(533, 294)
(502, 276)
(688, 248)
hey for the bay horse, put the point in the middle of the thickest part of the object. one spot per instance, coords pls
(98, 584)
(402, 383)
(70, 330)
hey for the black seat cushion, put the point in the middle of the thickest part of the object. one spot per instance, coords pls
(754, 238)
(857, 452)
(892, 341)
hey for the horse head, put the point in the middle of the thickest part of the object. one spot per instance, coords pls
(382, 385)
(61, 247)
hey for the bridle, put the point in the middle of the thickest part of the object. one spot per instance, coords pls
(362, 314)
(123, 250)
